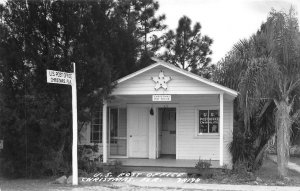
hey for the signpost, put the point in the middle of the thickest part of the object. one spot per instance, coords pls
(59, 77)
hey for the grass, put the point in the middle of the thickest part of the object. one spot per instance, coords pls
(29, 184)
(46, 185)
(295, 160)
(269, 173)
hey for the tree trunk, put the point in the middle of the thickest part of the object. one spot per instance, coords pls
(259, 156)
(283, 126)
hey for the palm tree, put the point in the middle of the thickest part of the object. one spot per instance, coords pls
(269, 65)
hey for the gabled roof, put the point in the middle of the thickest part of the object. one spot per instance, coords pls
(181, 71)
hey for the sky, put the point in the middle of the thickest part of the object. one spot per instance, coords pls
(225, 21)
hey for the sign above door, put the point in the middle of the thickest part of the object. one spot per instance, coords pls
(161, 97)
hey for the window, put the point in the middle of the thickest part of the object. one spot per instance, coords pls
(114, 123)
(118, 131)
(208, 121)
(96, 127)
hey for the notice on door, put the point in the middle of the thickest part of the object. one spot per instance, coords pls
(161, 98)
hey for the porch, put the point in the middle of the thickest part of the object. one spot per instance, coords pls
(139, 133)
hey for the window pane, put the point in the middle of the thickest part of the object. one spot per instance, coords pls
(203, 121)
(100, 136)
(95, 138)
(96, 127)
(114, 123)
(96, 120)
(118, 147)
(213, 121)
(122, 128)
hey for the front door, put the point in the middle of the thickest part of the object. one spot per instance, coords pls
(168, 131)
(138, 124)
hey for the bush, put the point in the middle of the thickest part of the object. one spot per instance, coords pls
(203, 164)
(225, 169)
(86, 164)
(241, 149)
(203, 167)
(242, 170)
(115, 167)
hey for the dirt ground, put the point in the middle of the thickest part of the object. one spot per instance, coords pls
(268, 173)
(47, 185)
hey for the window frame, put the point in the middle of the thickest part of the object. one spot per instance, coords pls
(197, 109)
(100, 124)
(109, 125)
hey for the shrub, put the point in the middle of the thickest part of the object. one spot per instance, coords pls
(242, 170)
(86, 164)
(203, 164)
(241, 149)
(225, 169)
(115, 167)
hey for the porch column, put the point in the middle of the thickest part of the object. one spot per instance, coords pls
(104, 131)
(221, 128)
(152, 135)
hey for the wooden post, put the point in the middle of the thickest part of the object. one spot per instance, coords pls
(104, 131)
(221, 128)
(75, 136)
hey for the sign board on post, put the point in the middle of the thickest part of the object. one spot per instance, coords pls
(161, 97)
(58, 77)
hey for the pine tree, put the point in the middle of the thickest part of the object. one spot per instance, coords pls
(187, 48)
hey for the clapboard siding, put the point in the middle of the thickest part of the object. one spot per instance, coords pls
(180, 84)
(191, 146)
(228, 130)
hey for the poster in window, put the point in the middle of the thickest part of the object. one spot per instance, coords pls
(213, 121)
(203, 121)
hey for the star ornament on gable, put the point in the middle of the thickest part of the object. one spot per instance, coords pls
(161, 81)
